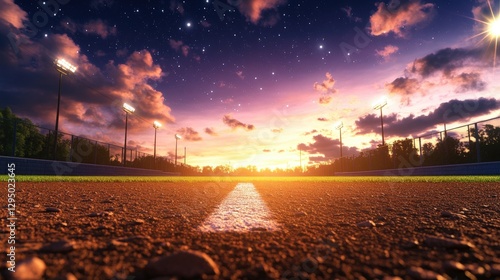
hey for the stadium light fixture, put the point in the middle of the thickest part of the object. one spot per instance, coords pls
(63, 67)
(177, 137)
(156, 125)
(378, 106)
(128, 110)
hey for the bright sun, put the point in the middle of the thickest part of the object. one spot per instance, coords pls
(494, 28)
(491, 30)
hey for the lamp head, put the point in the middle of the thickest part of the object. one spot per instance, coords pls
(380, 103)
(64, 67)
(127, 108)
(177, 136)
(339, 125)
(156, 124)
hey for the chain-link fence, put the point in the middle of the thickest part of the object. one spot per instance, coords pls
(474, 142)
(22, 138)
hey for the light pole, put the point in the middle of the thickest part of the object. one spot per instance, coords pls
(184, 155)
(339, 125)
(64, 68)
(156, 125)
(379, 105)
(128, 109)
(177, 137)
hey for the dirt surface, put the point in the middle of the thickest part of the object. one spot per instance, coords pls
(326, 230)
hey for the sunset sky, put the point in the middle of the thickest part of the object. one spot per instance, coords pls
(251, 85)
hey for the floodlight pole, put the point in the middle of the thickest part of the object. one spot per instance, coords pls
(382, 125)
(154, 156)
(63, 67)
(125, 144)
(176, 138)
(184, 155)
(57, 114)
(380, 106)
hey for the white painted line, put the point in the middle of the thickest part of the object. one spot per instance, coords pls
(241, 211)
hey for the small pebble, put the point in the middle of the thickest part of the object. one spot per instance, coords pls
(52, 210)
(31, 268)
(138, 222)
(367, 224)
(183, 264)
(423, 274)
(300, 214)
(434, 241)
(62, 246)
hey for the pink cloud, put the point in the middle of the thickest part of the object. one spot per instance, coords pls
(100, 28)
(210, 131)
(240, 74)
(397, 18)
(12, 14)
(174, 44)
(387, 52)
(185, 50)
(189, 134)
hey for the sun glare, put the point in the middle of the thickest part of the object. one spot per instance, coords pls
(491, 30)
(494, 28)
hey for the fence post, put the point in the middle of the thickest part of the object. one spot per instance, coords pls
(71, 148)
(420, 145)
(109, 155)
(95, 152)
(478, 145)
(14, 140)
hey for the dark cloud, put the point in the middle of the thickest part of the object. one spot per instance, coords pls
(99, 4)
(348, 12)
(445, 60)
(405, 87)
(176, 6)
(234, 123)
(189, 134)
(323, 119)
(327, 147)
(447, 112)
(451, 66)
(210, 131)
(468, 82)
(311, 132)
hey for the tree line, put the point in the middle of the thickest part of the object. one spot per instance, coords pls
(21, 138)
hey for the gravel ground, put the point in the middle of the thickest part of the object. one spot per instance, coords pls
(326, 231)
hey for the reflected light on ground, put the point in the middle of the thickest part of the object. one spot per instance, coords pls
(242, 210)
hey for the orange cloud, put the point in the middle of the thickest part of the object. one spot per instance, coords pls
(12, 14)
(387, 51)
(253, 10)
(397, 17)
(327, 86)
